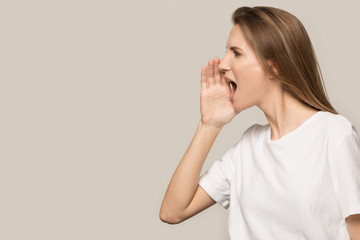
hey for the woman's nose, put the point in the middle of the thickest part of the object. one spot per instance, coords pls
(223, 66)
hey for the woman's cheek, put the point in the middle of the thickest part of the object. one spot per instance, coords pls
(256, 69)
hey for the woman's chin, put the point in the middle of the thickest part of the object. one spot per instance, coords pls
(240, 105)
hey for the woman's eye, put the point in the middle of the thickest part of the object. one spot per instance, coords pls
(236, 53)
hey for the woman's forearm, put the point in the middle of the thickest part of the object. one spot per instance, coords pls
(185, 179)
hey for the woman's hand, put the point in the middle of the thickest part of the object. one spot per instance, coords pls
(215, 105)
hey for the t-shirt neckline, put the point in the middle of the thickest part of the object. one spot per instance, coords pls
(282, 139)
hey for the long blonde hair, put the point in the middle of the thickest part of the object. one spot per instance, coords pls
(278, 36)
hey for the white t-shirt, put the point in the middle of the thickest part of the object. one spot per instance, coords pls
(301, 186)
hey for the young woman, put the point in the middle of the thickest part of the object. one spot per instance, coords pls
(297, 177)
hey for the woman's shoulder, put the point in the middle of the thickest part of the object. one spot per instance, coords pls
(256, 130)
(337, 125)
(251, 133)
(336, 130)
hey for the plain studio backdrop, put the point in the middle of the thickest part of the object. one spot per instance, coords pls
(100, 100)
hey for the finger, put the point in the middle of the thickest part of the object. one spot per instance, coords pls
(222, 79)
(210, 73)
(203, 77)
(217, 77)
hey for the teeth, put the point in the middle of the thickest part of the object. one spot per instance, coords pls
(231, 87)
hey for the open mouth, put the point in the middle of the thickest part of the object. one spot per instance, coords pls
(233, 86)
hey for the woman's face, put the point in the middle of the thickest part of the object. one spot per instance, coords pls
(241, 66)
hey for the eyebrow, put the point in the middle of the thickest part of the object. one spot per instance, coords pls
(234, 48)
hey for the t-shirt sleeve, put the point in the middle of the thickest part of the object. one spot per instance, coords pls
(344, 163)
(216, 180)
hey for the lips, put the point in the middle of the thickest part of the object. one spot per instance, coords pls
(232, 85)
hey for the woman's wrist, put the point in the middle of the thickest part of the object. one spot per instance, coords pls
(207, 127)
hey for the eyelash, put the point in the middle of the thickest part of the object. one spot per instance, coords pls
(235, 53)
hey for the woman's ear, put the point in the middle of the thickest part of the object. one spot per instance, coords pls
(273, 67)
(275, 70)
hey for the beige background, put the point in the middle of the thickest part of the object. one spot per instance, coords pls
(100, 99)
